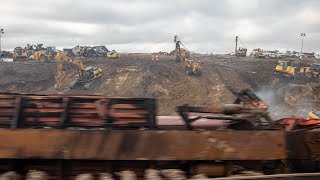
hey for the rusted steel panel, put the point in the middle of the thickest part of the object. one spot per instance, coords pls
(304, 144)
(29, 111)
(142, 145)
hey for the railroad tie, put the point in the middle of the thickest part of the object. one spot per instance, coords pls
(127, 175)
(152, 174)
(11, 175)
(84, 177)
(36, 175)
(173, 174)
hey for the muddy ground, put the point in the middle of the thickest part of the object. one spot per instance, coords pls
(135, 75)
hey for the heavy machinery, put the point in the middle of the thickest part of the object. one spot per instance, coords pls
(189, 66)
(180, 53)
(66, 135)
(300, 71)
(241, 51)
(45, 54)
(286, 68)
(19, 53)
(258, 53)
(113, 54)
(86, 75)
(315, 71)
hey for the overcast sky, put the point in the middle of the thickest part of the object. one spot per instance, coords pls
(149, 25)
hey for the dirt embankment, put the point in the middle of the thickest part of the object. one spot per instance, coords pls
(137, 76)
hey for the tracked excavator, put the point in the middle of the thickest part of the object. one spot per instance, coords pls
(190, 66)
(86, 75)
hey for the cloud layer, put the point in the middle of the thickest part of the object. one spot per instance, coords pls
(149, 25)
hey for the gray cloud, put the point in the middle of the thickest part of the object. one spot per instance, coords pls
(149, 25)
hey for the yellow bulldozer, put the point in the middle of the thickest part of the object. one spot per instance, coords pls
(286, 68)
(190, 66)
(86, 75)
(19, 54)
(299, 71)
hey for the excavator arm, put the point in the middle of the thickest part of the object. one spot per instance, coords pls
(62, 57)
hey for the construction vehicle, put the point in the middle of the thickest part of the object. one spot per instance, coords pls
(45, 54)
(113, 54)
(86, 75)
(314, 71)
(241, 51)
(286, 68)
(180, 53)
(19, 54)
(258, 53)
(189, 66)
(301, 71)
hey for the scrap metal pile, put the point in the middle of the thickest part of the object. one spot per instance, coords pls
(65, 136)
(87, 51)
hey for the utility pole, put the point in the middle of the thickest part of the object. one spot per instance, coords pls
(302, 37)
(235, 51)
(1, 32)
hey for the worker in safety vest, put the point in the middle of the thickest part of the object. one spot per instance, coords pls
(152, 57)
(157, 58)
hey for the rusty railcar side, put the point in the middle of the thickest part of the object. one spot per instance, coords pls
(142, 144)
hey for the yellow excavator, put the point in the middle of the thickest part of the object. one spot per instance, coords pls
(190, 66)
(86, 75)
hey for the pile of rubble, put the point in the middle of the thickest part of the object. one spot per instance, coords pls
(87, 51)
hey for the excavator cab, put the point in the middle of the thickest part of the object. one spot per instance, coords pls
(89, 73)
(88, 76)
